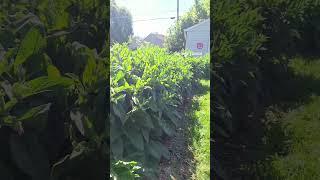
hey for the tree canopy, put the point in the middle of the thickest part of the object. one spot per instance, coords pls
(120, 24)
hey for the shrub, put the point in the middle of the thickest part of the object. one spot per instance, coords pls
(54, 74)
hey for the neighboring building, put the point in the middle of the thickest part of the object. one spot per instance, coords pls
(155, 38)
(198, 38)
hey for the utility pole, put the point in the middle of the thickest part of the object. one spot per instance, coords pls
(177, 10)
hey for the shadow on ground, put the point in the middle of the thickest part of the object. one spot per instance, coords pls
(246, 152)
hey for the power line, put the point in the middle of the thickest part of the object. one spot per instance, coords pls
(154, 19)
(125, 17)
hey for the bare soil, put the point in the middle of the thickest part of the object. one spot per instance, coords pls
(181, 165)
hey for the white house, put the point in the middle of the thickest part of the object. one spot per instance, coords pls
(198, 38)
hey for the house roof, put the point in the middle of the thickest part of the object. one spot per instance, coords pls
(154, 35)
(194, 27)
(155, 38)
(197, 25)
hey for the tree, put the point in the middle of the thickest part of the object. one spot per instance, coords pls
(120, 24)
(175, 39)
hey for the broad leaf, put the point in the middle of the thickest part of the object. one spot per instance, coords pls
(34, 112)
(146, 134)
(10, 104)
(7, 88)
(76, 117)
(135, 137)
(39, 85)
(157, 150)
(53, 71)
(32, 43)
(117, 148)
(115, 133)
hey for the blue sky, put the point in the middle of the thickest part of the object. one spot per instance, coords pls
(149, 9)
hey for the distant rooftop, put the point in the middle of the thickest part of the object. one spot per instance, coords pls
(155, 38)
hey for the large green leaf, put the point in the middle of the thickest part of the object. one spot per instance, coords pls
(34, 112)
(4, 66)
(119, 112)
(39, 85)
(89, 75)
(146, 134)
(10, 104)
(135, 137)
(158, 150)
(142, 118)
(7, 89)
(76, 117)
(115, 132)
(125, 170)
(53, 72)
(83, 124)
(166, 125)
(32, 43)
(173, 116)
(117, 148)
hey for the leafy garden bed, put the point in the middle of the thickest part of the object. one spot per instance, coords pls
(148, 86)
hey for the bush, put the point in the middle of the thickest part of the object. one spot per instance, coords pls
(54, 74)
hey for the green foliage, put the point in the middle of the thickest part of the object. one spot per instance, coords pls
(125, 170)
(120, 24)
(148, 87)
(252, 42)
(235, 60)
(298, 160)
(54, 74)
(236, 37)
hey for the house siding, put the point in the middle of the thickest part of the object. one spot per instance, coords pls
(198, 35)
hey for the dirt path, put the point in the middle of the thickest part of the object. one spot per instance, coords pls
(180, 166)
(182, 163)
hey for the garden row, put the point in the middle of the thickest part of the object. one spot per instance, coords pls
(148, 89)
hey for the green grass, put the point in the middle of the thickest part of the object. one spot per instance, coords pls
(306, 67)
(302, 128)
(303, 159)
(201, 132)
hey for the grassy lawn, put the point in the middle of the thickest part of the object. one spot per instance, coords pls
(301, 125)
(302, 161)
(200, 132)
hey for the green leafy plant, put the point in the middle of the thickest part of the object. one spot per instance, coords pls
(148, 87)
(125, 170)
(54, 105)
